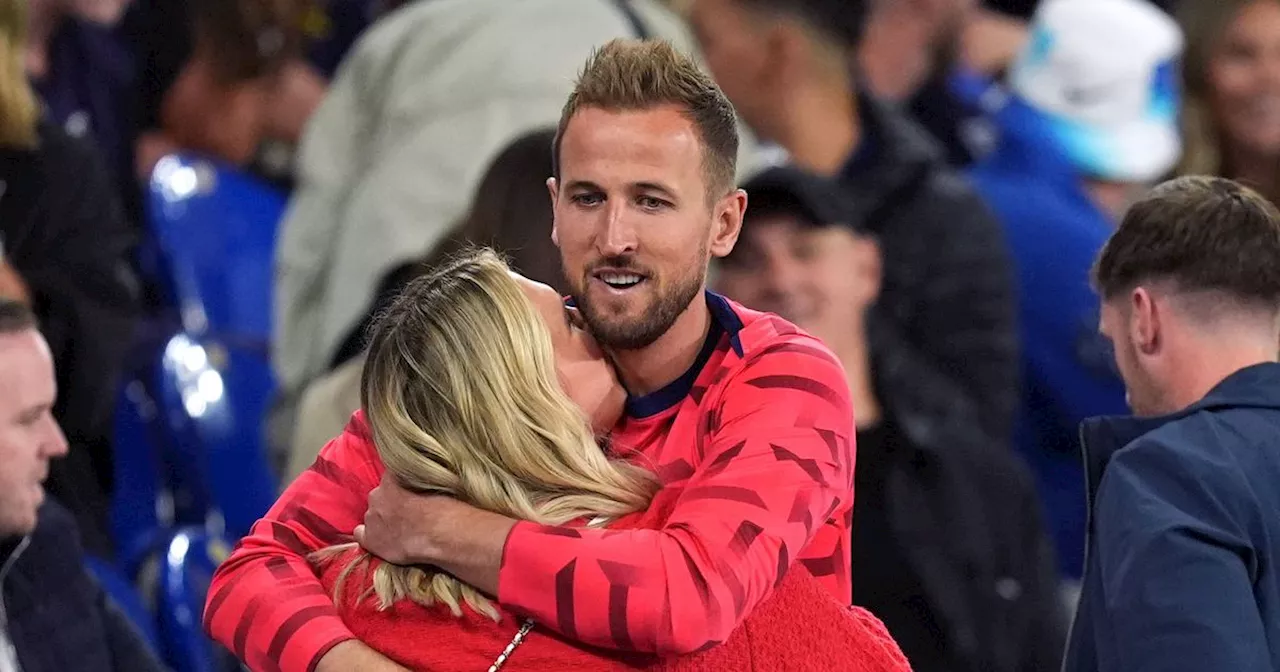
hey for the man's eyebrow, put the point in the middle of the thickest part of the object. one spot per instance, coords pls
(654, 186)
(584, 185)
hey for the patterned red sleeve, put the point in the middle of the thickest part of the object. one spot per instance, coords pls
(265, 603)
(777, 465)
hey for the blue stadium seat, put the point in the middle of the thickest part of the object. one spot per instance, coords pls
(186, 570)
(215, 395)
(136, 518)
(215, 230)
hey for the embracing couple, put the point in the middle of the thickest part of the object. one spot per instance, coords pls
(709, 531)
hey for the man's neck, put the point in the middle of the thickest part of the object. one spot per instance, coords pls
(656, 365)
(821, 128)
(894, 56)
(856, 360)
(1218, 361)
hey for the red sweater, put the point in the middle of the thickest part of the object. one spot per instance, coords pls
(754, 447)
(799, 628)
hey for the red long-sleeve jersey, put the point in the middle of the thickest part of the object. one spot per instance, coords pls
(754, 447)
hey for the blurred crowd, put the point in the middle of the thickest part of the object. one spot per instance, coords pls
(929, 184)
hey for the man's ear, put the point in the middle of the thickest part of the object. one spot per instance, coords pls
(727, 226)
(553, 188)
(1144, 323)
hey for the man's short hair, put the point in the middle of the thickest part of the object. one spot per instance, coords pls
(1201, 234)
(15, 317)
(841, 22)
(644, 74)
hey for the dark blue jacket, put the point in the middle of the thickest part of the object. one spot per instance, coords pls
(1183, 569)
(58, 617)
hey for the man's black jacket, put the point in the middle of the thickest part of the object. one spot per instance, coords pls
(57, 616)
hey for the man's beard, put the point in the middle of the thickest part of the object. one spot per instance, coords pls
(640, 332)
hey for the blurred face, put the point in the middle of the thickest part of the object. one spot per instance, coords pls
(732, 42)
(585, 374)
(1244, 79)
(823, 279)
(633, 222)
(29, 436)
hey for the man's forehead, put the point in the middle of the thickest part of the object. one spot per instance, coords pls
(645, 145)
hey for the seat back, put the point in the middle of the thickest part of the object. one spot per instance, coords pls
(215, 229)
(186, 570)
(136, 524)
(217, 395)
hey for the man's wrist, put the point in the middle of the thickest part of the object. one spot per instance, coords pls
(473, 550)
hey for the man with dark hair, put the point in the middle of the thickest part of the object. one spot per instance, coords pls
(942, 332)
(1183, 570)
(745, 420)
(53, 615)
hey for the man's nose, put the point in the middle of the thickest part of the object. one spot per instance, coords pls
(54, 443)
(783, 276)
(617, 236)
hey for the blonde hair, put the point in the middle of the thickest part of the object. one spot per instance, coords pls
(19, 109)
(461, 394)
(1203, 23)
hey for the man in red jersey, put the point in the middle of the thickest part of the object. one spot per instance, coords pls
(746, 420)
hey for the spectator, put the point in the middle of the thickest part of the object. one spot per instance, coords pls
(510, 213)
(68, 246)
(84, 74)
(1091, 123)
(425, 101)
(1231, 117)
(225, 78)
(1184, 559)
(915, 52)
(974, 590)
(943, 337)
(56, 617)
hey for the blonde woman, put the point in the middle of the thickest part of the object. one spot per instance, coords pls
(1231, 117)
(478, 385)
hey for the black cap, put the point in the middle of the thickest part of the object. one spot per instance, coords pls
(817, 200)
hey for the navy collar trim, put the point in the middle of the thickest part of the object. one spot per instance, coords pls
(723, 321)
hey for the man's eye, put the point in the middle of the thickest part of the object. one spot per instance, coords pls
(651, 203)
(587, 199)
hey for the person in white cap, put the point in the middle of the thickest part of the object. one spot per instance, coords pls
(1088, 120)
